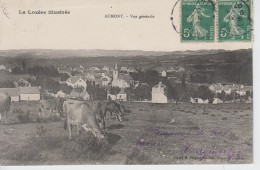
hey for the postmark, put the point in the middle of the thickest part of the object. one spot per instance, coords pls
(234, 20)
(3, 8)
(197, 20)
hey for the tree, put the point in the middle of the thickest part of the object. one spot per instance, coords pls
(204, 93)
(114, 90)
(183, 80)
(65, 88)
(7, 84)
(17, 70)
(142, 92)
(64, 76)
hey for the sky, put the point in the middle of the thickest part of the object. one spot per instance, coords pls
(87, 28)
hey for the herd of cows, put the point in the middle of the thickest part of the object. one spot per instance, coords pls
(89, 115)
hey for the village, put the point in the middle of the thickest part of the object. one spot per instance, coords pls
(117, 83)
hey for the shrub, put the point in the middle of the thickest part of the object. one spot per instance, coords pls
(86, 146)
(138, 157)
(24, 118)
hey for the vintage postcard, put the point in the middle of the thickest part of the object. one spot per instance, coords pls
(113, 82)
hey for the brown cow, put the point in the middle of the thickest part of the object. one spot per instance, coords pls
(80, 114)
(5, 102)
(53, 105)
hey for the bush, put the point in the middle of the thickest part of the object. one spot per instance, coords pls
(138, 157)
(48, 119)
(86, 146)
(24, 118)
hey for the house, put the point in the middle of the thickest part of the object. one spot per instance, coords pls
(60, 93)
(30, 94)
(64, 70)
(199, 101)
(105, 68)
(12, 92)
(217, 101)
(2, 67)
(105, 81)
(100, 73)
(227, 89)
(94, 69)
(23, 83)
(131, 70)
(75, 94)
(216, 88)
(158, 93)
(76, 81)
(244, 89)
(163, 74)
(123, 69)
(121, 95)
(111, 97)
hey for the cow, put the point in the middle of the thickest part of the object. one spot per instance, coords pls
(53, 105)
(5, 103)
(49, 104)
(81, 114)
(112, 106)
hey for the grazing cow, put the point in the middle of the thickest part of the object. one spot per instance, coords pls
(53, 105)
(82, 115)
(49, 104)
(5, 102)
(112, 106)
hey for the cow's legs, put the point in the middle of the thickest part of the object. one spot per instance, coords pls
(6, 117)
(78, 129)
(50, 112)
(118, 116)
(111, 114)
(70, 129)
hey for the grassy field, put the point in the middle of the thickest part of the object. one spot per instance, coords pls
(201, 134)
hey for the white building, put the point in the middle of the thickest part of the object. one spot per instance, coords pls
(199, 101)
(158, 93)
(105, 68)
(121, 95)
(216, 88)
(76, 81)
(217, 101)
(30, 94)
(163, 74)
(94, 69)
(111, 96)
(60, 93)
(2, 67)
(124, 69)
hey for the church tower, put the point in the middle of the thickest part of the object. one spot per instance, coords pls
(115, 73)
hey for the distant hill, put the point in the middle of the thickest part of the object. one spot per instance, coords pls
(49, 53)
(204, 66)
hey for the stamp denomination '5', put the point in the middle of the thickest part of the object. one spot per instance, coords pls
(234, 20)
(198, 20)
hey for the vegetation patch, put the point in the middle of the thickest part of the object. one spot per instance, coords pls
(138, 157)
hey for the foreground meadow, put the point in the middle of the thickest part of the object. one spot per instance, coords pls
(150, 134)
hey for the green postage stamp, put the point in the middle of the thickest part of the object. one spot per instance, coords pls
(234, 20)
(197, 20)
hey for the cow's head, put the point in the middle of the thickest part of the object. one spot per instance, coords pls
(97, 133)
